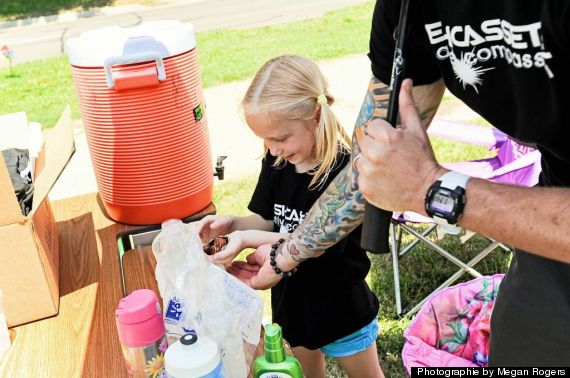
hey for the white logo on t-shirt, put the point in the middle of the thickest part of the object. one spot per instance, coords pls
(287, 219)
(468, 48)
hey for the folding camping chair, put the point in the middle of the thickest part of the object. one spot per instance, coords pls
(513, 164)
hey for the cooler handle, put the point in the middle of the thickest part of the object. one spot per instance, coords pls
(133, 58)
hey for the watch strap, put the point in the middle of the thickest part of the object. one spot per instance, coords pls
(446, 227)
(451, 180)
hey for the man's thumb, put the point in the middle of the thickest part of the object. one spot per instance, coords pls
(409, 114)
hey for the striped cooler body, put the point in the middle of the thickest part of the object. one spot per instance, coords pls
(142, 105)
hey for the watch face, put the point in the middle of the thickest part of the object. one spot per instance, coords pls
(442, 202)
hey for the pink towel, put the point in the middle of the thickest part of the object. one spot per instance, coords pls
(453, 326)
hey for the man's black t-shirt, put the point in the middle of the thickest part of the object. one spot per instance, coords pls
(327, 298)
(509, 61)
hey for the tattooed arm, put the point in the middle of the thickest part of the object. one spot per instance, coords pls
(340, 209)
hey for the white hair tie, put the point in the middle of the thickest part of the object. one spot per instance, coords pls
(322, 99)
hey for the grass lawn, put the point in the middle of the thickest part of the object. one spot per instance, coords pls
(12, 9)
(43, 88)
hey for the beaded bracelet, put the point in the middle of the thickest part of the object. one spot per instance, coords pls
(274, 263)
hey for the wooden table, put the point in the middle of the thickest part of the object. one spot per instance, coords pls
(82, 341)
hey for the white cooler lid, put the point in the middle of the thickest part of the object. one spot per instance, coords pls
(167, 38)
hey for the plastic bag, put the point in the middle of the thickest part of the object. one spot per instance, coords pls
(200, 296)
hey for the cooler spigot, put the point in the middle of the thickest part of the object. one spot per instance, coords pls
(220, 167)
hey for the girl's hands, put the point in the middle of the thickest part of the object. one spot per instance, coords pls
(237, 241)
(213, 225)
(242, 232)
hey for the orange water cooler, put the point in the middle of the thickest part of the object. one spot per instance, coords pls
(142, 106)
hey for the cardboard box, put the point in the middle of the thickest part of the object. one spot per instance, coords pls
(29, 245)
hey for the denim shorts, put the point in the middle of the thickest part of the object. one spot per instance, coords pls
(353, 343)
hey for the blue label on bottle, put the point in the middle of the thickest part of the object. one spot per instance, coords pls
(174, 309)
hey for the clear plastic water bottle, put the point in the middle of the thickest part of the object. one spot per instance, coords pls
(141, 332)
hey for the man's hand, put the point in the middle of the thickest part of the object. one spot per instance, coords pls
(397, 165)
(256, 272)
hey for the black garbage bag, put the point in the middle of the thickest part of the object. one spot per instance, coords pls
(17, 161)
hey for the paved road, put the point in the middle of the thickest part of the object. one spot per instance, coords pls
(39, 41)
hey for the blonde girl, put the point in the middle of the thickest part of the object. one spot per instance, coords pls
(325, 307)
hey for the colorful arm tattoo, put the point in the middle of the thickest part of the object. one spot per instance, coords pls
(340, 209)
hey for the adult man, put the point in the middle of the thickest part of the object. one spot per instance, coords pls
(509, 62)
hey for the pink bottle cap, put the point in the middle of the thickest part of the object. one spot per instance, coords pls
(139, 319)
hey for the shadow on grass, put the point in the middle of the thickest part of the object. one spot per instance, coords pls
(12, 75)
(14, 9)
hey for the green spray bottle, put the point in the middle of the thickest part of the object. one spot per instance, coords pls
(275, 363)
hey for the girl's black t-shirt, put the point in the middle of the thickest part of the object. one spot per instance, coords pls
(328, 297)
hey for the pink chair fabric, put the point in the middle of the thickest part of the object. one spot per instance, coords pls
(452, 329)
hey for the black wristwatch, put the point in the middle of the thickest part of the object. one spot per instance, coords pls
(445, 200)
